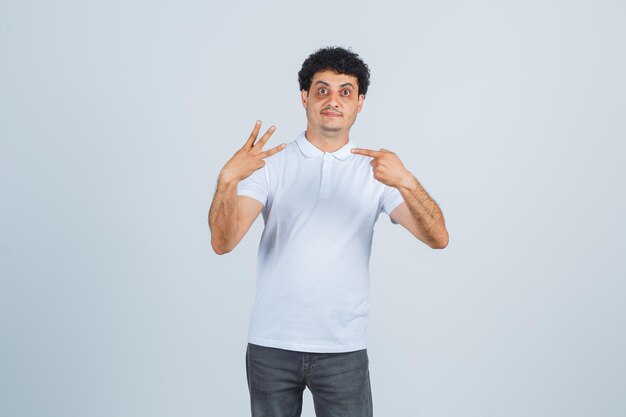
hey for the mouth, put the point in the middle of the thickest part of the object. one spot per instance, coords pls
(331, 114)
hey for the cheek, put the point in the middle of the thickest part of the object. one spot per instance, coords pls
(353, 104)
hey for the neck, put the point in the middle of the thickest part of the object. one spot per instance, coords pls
(327, 141)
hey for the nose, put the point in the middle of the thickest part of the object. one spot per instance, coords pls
(333, 99)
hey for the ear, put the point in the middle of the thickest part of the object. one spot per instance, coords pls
(360, 104)
(304, 96)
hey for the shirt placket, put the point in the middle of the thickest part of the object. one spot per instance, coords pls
(327, 170)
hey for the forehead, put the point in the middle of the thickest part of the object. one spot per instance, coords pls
(333, 78)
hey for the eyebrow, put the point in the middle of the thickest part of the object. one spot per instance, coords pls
(341, 85)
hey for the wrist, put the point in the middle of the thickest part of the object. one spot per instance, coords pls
(226, 179)
(409, 183)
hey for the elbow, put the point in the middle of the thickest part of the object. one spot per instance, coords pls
(220, 249)
(441, 242)
(439, 246)
(218, 243)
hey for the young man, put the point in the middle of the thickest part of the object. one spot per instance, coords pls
(320, 196)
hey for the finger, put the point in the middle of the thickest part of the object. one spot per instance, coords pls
(272, 151)
(366, 152)
(265, 137)
(385, 150)
(253, 135)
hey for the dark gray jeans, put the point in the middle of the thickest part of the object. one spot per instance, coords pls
(339, 382)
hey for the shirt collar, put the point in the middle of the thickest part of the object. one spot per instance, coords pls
(311, 151)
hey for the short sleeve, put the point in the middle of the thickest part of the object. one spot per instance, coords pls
(391, 199)
(255, 185)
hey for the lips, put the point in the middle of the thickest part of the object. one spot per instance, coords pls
(331, 114)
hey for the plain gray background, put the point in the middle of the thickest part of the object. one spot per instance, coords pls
(116, 117)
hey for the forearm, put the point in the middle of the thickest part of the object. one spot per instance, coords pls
(223, 216)
(425, 211)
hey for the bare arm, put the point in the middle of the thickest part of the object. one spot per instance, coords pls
(230, 215)
(419, 213)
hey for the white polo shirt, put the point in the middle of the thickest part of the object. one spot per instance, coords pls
(313, 261)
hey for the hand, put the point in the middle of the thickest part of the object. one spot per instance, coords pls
(250, 157)
(388, 168)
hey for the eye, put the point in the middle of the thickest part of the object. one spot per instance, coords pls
(345, 92)
(322, 90)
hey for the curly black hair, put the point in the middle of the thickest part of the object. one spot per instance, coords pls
(338, 59)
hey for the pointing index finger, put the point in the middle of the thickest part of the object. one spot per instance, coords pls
(366, 152)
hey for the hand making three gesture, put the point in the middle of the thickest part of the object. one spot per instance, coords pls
(250, 157)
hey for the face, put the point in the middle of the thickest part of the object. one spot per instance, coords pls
(332, 103)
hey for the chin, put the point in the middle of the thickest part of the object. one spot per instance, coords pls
(332, 129)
